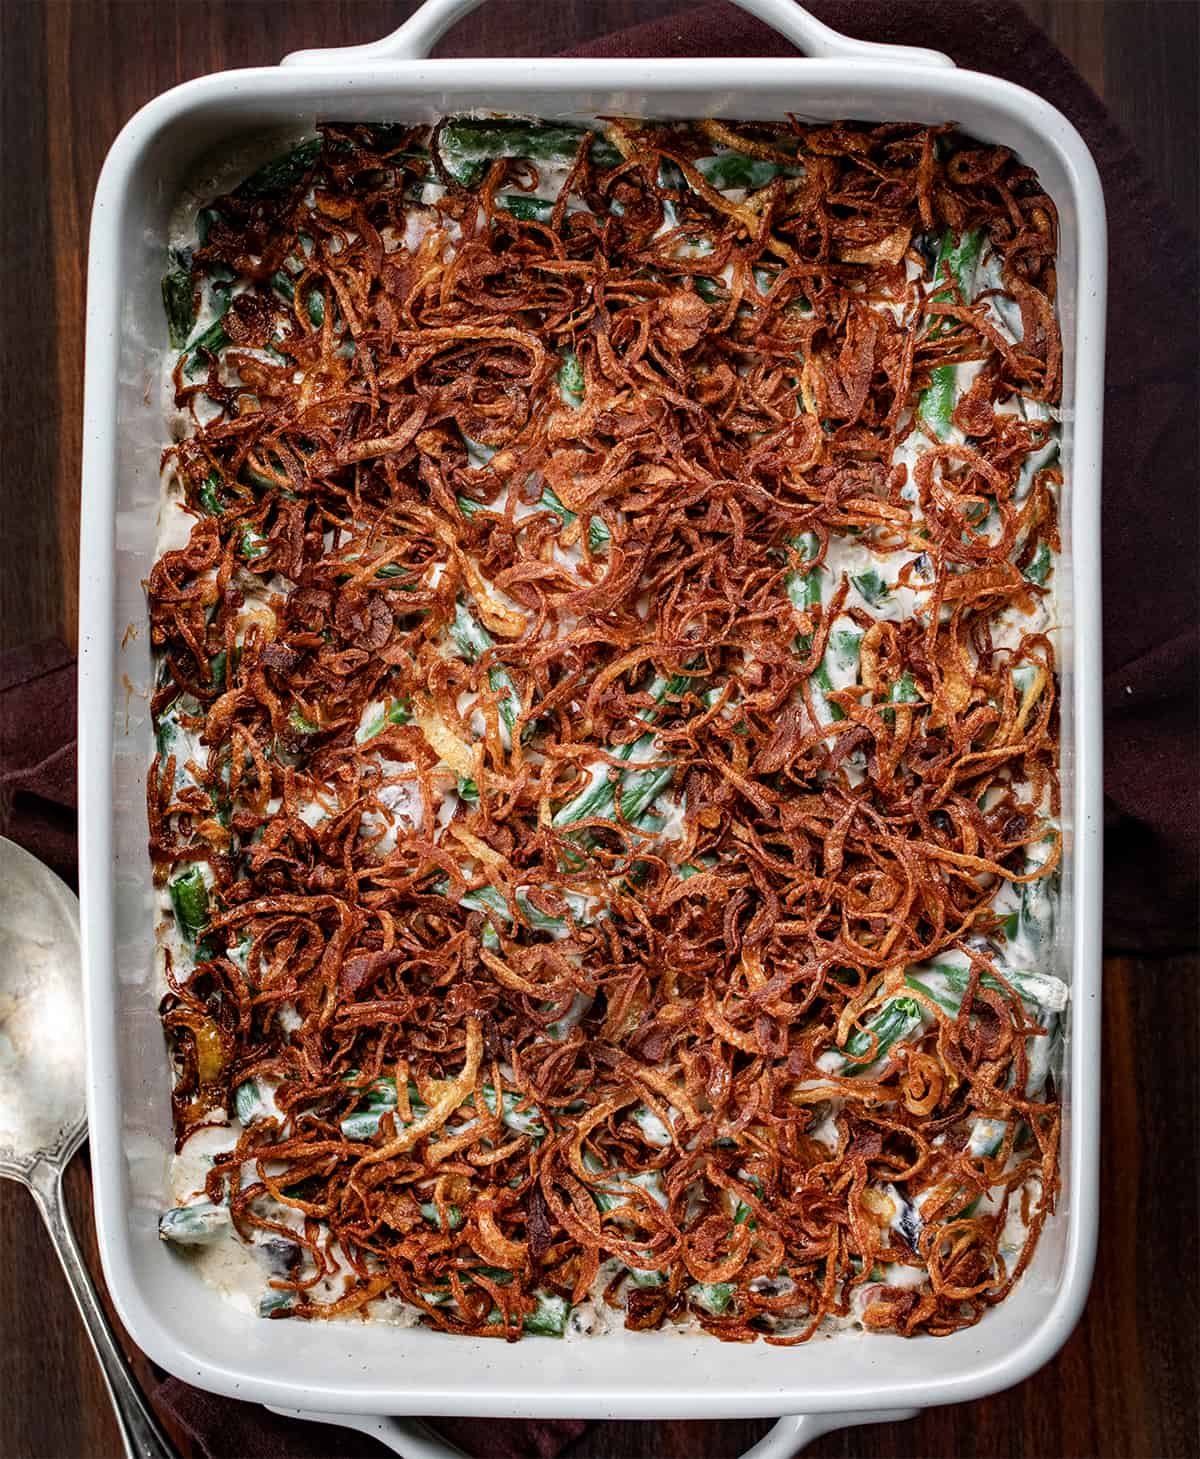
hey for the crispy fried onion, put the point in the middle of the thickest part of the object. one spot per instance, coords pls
(495, 506)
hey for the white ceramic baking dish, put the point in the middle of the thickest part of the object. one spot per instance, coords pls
(374, 1370)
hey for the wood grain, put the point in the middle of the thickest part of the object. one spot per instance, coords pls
(1125, 1384)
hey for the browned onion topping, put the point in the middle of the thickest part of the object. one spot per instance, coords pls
(722, 415)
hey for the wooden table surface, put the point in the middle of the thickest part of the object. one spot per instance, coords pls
(73, 71)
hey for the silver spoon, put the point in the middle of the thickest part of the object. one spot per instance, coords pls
(43, 1116)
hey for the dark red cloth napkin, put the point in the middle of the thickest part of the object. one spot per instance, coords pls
(1150, 533)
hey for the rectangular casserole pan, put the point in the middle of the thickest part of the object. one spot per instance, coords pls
(364, 1369)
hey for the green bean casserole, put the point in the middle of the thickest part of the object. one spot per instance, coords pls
(605, 802)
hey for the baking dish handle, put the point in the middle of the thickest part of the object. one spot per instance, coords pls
(430, 21)
(412, 1439)
(797, 1431)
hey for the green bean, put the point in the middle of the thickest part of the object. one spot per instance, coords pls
(472, 641)
(638, 790)
(314, 305)
(207, 496)
(467, 145)
(546, 921)
(612, 1193)
(205, 218)
(525, 208)
(804, 588)
(735, 170)
(214, 339)
(478, 455)
(891, 1023)
(640, 1278)
(362, 1124)
(249, 476)
(252, 544)
(487, 899)
(842, 649)
(392, 570)
(524, 1121)
(275, 1301)
(597, 799)
(438, 1297)
(570, 379)
(987, 1136)
(548, 1318)
(550, 501)
(903, 691)
(166, 730)
(281, 173)
(871, 587)
(599, 537)
(380, 1099)
(470, 638)
(804, 591)
(197, 1225)
(606, 1200)
(189, 898)
(714, 1297)
(397, 712)
(454, 1217)
(961, 259)
(1039, 567)
(179, 304)
(1037, 908)
(1039, 990)
(691, 869)
(744, 1214)
(948, 1004)
(937, 400)
(845, 645)
(300, 724)
(1038, 898)
(247, 1101)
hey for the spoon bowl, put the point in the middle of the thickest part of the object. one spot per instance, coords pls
(43, 1108)
(43, 1115)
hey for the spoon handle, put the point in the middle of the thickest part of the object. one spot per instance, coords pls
(140, 1431)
